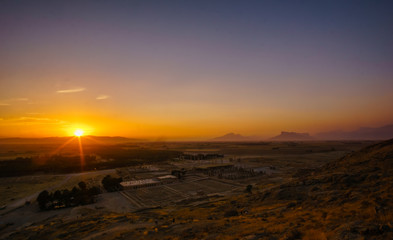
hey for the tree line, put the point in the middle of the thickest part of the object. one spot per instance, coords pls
(201, 156)
(80, 195)
(115, 157)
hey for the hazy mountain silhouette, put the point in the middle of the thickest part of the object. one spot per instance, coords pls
(292, 136)
(364, 133)
(233, 137)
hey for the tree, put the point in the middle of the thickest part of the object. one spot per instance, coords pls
(43, 199)
(75, 196)
(66, 195)
(82, 186)
(112, 184)
(57, 195)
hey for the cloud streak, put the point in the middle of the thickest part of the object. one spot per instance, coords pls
(31, 121)
(18, 99)
(102, 97)
(73, 90)
(7, 102)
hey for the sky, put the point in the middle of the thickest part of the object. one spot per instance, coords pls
(194, 69)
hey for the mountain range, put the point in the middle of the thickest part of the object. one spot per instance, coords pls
(363, 133)
(233, 137)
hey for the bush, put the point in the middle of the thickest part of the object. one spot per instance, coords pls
(112, 184)
(43, 199)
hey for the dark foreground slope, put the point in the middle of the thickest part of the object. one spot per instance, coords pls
(350, 198)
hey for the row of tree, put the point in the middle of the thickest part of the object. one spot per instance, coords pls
(115, 157)
(80, 195)
(46, 164)
(201, 156)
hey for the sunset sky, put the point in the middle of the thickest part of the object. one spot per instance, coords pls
(194, 69)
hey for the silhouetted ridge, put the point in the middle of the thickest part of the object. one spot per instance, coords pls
(364, 133)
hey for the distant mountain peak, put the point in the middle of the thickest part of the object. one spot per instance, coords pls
(232, 137)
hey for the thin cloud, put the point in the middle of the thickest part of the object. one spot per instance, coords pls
(36, 119)
(31, 121)
(7, 102)
(74, 90)
(33, 113)
(19, 99)
(102, 97)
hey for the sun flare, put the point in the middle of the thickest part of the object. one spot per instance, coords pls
(78, 132)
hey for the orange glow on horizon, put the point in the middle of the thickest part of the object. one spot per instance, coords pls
(79, 132)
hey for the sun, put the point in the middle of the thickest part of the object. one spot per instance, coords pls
(78, 132)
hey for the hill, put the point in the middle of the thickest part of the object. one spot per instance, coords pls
(233, 137)
(364, 133)
(292, 136)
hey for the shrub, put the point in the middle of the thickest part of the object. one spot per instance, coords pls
(112, 184)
